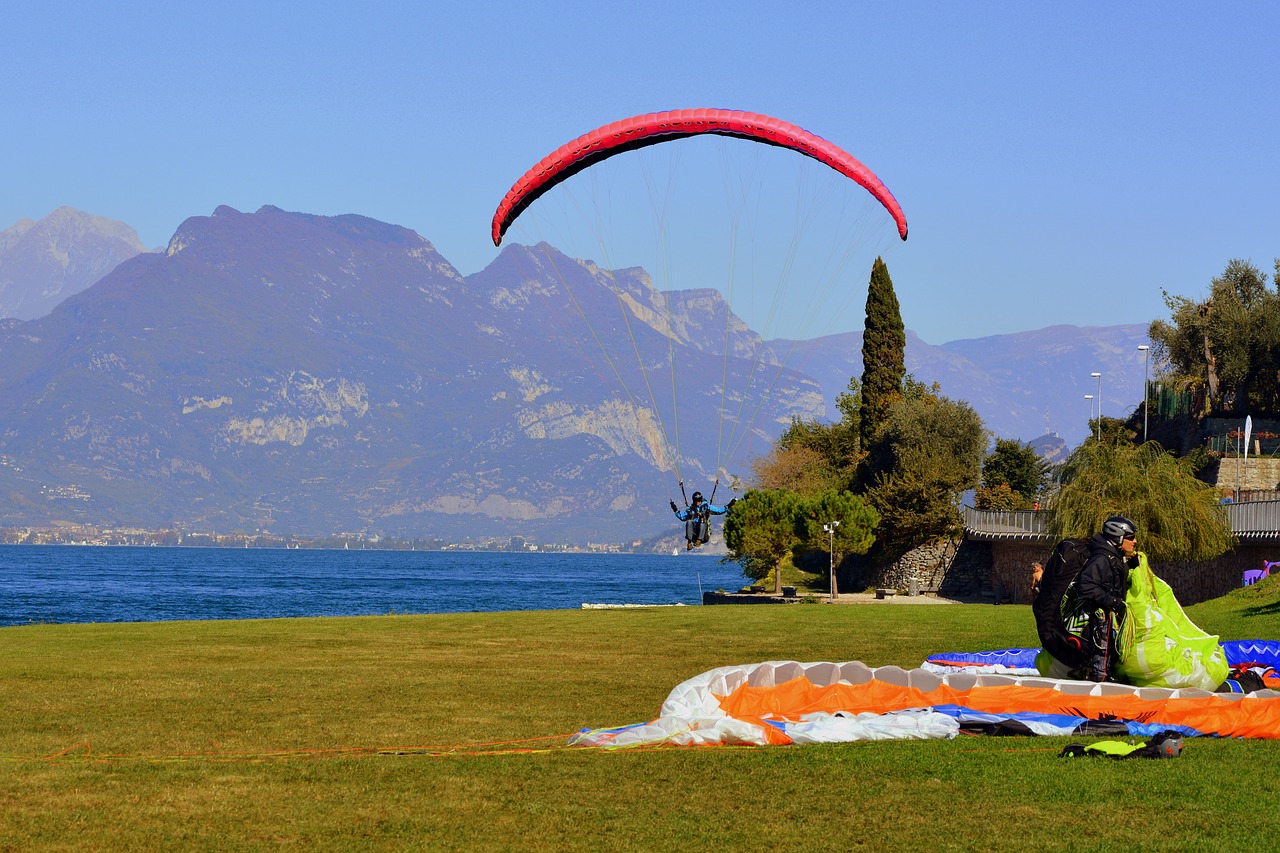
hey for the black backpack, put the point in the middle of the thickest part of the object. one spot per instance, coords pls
(1060, 571)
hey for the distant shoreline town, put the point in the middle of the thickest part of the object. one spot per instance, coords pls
(102, 537)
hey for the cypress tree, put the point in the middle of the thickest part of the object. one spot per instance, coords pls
(884, 342)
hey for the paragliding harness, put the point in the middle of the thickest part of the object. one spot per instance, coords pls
(698, 527)
(1246, 677)
(1167, 744)
(1052, 603)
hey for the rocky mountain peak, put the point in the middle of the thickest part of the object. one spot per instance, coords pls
(44, 262)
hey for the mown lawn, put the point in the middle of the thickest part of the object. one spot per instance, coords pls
(447, 732)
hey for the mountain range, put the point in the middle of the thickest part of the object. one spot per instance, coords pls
(296, 373)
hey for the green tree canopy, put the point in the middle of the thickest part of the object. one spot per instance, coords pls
(1016, 465)
(855, 533)
(768, 524)
(1178, 516)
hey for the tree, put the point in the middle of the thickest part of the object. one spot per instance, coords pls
(1016, 465)
(761, 531)
(1230, 340)
(998, 498)
(858, 520)
(810, 456)
(928, 452)
(1178, 516)
(800, 469)
(884, 343)
(854, 534)
(768, 524)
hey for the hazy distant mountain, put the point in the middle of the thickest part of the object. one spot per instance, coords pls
(42, 263)
(1051, 447)
(1023, 385)
(312, 374)
(295, 373)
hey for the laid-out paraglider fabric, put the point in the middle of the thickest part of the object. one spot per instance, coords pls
(653, 128)
(1017, 661)
(1022, 661)
(780, 702)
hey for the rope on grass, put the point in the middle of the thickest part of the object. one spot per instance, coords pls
(83, 752)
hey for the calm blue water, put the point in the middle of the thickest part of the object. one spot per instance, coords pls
(55, 583)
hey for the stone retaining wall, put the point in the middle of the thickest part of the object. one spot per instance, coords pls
(946, 566)
(1262, 474)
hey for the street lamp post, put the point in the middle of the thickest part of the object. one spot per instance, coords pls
(1146, 361)
(830, 529)
(1089, 397)
(1098, 376)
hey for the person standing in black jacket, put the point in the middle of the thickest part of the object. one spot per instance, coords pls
(1101, 588)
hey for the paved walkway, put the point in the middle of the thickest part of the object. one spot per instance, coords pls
(870, 598)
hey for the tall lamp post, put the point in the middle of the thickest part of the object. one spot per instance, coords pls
(1098, 376)
(1089, 397)
(1146, 361)
(830, 529)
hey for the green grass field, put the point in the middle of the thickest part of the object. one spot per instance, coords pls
(448, 732)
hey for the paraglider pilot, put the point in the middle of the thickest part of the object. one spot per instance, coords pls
(697, 519)
(1101, 587)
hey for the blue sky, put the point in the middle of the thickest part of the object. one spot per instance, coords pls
(1057, 162)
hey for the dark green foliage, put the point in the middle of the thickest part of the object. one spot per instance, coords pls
(1230, 340)
(914, 507)
(1178, 516)
(855, 533)
(884, 343)
(1016, 465)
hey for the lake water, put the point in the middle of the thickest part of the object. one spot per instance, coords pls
(53, 583)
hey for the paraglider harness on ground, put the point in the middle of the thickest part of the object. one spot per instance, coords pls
(1050, 607)
(1167, 744)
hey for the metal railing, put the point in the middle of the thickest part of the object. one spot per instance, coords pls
(1249, 520)
(1255, 519)
(1007, 524)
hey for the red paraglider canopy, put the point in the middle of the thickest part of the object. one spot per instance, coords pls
(653, 128)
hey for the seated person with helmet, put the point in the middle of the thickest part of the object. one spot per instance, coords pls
(697, 519)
